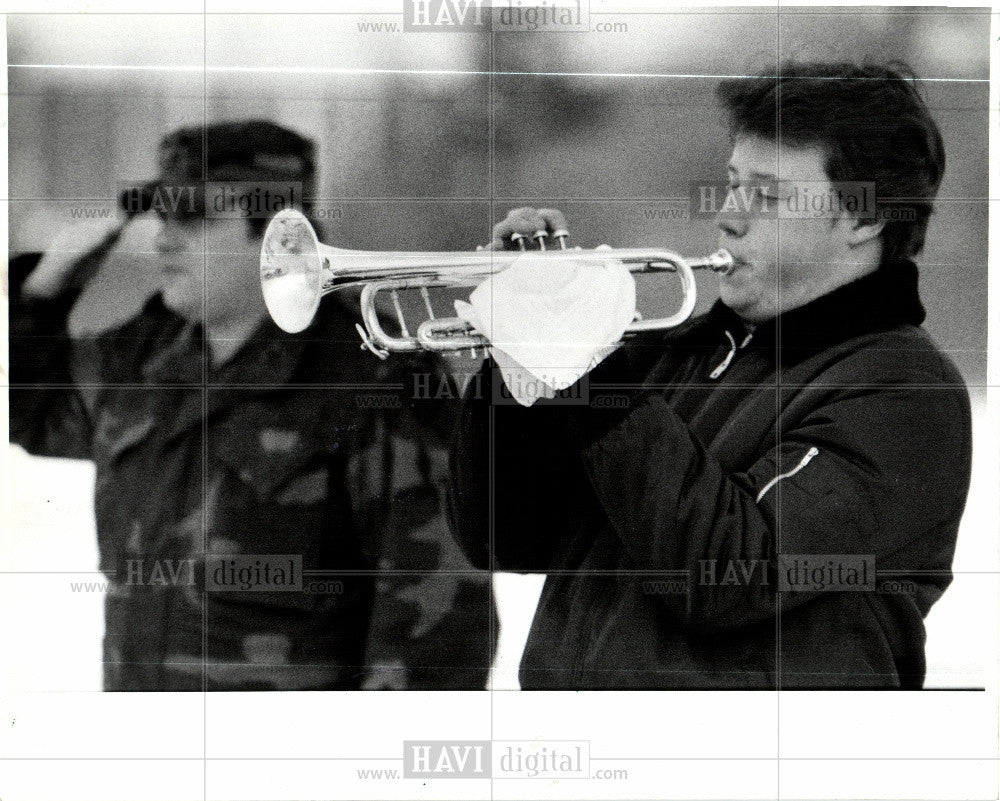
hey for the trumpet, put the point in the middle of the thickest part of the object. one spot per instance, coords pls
(297, 270)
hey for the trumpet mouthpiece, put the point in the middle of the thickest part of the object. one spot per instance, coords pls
(721, 261)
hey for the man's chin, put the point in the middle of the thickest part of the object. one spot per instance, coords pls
(181, 303)
(745, 299)
(735, 293)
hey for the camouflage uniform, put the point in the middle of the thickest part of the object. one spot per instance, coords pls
(301, 445)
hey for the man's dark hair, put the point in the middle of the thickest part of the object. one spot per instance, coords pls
(870, 120)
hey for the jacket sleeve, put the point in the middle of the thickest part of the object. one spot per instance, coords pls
(512, 494)
(47, 414)
(433, 622)
(881, 472)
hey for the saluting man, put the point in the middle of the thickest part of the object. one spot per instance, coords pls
(230, 455)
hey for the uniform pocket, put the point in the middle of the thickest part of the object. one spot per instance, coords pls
(115, 434)
(279, 463)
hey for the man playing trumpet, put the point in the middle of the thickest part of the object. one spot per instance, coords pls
(779, 456)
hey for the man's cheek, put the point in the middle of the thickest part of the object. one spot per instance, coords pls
(744, 278)
(739, 289)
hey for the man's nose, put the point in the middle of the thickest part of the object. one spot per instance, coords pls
(732, 223)
(166, 239)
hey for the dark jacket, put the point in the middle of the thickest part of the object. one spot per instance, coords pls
(733, 509)
(301, 445)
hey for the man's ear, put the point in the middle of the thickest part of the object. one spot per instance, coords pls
(861, 231)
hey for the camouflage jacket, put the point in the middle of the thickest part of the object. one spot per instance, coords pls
(276, 524)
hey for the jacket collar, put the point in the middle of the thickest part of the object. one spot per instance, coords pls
(268, 357)
(879, 301)
(270, 360)
(328, 351)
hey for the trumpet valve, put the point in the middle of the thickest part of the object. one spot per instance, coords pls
(518, 239)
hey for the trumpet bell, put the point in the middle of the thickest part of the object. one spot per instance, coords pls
(291, 271)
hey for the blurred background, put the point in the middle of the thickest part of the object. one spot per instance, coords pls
(424, 143)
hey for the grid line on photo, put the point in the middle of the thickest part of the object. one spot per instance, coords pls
(751, 10)
(780, 469)
(205, 367)
(413, 71)
(491, 431)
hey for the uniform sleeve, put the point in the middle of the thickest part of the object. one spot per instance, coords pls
(47, 414)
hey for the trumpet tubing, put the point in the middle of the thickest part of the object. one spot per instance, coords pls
(297, 270)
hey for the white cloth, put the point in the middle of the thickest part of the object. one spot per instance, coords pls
(549, 321)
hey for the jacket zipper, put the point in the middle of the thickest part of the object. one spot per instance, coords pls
(724, 364)
(810, 454)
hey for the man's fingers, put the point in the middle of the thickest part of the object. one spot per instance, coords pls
(65, 254)
(555, 220)
(523, 221)
(526, 222)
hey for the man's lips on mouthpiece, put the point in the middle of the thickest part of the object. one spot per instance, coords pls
(738, 262)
